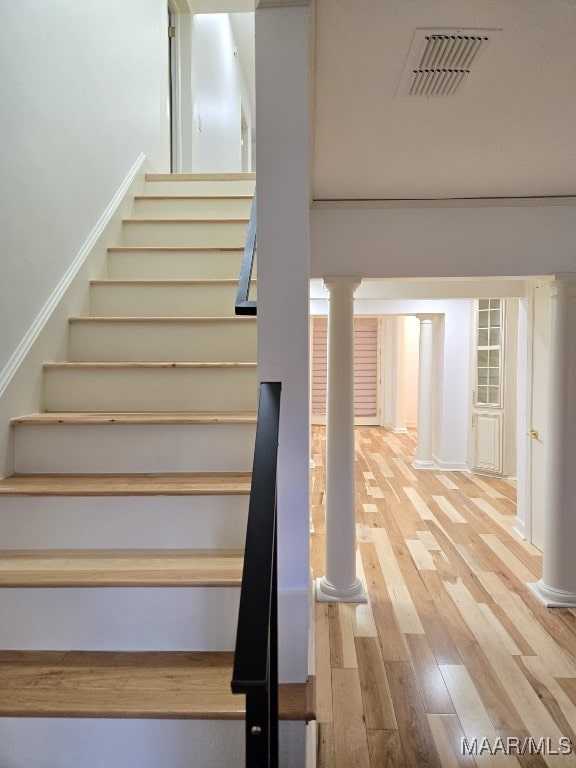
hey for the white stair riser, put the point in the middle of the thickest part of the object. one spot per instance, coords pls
(126, 743)
(145, 389)
(181, 300)
(206, 187)
(184, 208)
(125, 522)
(174, 265)
(231, 342)
(127, 448)
(119, 619)
(196, 234)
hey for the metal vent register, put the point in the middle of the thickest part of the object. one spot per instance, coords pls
(440, 62)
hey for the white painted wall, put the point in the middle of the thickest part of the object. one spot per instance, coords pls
(219, 90)
(452, 363)
(443, 242)
(523, 403)
(283, 306)
(126, 743)
(412, 342)
(84, 91)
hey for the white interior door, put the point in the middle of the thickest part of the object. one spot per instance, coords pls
(538, 426)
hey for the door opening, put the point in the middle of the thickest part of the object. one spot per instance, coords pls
(244, 143)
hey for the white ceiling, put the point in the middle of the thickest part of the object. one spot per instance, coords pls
(510, 132)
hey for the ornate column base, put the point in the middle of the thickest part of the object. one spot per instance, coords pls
(553, 598)
(328, 593)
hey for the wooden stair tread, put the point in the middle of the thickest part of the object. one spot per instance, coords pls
(161, 319)
(113, 366)
(182, 484)
(180, 220)
(173, 281)
(200, 177)
(194, 197)
(152, 417)
(120, 568)
(178, 685)
(171, 249)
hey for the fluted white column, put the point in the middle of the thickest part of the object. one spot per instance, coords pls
(424, 446)
(558, 584)
(340, 582)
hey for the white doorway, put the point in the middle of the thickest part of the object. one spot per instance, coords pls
(244, 143)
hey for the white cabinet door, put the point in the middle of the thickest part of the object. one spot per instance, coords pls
(488, 441)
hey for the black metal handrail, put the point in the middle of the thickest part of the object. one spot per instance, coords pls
(243, 305)
(256, 658)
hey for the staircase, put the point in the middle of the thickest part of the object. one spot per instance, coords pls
(122, 529)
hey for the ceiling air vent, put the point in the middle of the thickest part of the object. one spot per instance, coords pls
(440, 61)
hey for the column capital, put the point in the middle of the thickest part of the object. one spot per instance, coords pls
(564, 285)
(426, 318)
(345, 286)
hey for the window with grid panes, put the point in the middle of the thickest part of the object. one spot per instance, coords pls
(489, 352)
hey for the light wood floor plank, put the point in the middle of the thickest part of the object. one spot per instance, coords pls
(385, 749)
(324, 712)
(325, 756)
(472, 715)
(373, 572)
(415, 734)
(448, 735)
(392, 641)
(556, 660)
(420, 555)
(449, 510)
(466, 649)
(558, 703)
(433, 690)
(350, 740)
(429, 541)
(378, 707)
(404, 609)
(526, 760)
(508, 558)
(363, 624)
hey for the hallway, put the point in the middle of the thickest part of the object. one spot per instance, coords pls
(452, 645)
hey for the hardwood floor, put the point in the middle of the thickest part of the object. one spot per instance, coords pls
(452, 645)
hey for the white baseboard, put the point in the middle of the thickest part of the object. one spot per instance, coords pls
(519, 529)
(293, 635)
(311, 744)
(311, 626)
(46, 339)
(451, 466)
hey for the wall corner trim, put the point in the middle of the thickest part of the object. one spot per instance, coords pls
(41, 319)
